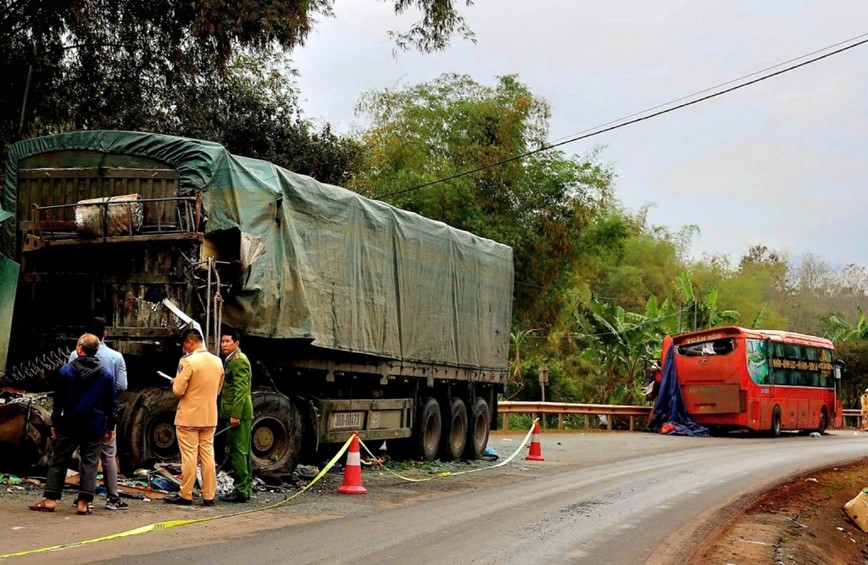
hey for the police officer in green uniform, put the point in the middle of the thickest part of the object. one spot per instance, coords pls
(236, 405)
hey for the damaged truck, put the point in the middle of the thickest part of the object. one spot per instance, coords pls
(357, 316)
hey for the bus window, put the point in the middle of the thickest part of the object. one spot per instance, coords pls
(777, 350)
(714, 347)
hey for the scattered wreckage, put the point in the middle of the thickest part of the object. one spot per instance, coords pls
(25, 430)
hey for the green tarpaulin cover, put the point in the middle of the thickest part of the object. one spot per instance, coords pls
(327, 264)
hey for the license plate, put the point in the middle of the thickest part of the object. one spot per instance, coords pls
(347, 419)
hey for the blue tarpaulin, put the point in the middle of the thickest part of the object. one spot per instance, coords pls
(669, 407)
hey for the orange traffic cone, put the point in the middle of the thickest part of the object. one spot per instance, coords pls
(535, 453)
(353, 470)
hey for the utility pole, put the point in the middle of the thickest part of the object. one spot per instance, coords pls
(543, 381)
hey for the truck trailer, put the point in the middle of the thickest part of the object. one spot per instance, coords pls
(357, 316)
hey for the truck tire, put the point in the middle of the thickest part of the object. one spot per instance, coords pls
(455, 432)
(276, 433)
(149, 425)
(477, 433)
(428, 430)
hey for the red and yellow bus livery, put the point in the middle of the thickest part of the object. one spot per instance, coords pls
(761, 380)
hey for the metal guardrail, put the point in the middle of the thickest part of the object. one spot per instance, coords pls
(562, 409)
(852, 413)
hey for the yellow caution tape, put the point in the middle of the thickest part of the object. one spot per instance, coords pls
(168, 524)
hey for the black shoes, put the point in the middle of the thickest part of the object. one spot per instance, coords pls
(175, 498)
(234, 497)
(207, 502)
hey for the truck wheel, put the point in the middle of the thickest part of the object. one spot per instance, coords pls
(428, 430)
(775, 430)
(276, 433)
(477, 434)
(455, 434)
(151, 428)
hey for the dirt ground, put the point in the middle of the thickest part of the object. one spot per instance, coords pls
(799, 522)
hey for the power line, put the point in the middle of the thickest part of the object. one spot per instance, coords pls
(621, 123)
(715, 87)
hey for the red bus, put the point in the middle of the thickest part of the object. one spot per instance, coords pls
(760, 380)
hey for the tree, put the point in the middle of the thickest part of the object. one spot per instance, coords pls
(252, 110)
(812, 275)
(90, 63)
(538, 205)
(760, 257)
(620, 343)
(852, 279)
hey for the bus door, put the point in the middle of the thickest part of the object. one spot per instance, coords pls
(838, 417)
(761, 390)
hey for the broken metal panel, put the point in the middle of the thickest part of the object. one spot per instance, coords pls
(25, 422)
(8, 287)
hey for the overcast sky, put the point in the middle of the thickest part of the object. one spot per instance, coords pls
(782, 163)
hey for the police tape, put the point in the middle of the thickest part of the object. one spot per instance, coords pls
(444, 474)
(168, 524)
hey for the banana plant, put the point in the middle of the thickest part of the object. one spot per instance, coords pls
(515, 382)
(713, 315)
(706, 313)
(840, 330)
(758, 320)
(619, 343)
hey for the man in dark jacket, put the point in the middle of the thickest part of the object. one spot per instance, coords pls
(83, 416)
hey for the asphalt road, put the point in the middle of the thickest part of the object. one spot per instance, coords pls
(598, 498)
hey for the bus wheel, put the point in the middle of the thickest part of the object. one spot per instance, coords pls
(428, 430)
(824, 421)
(455, 435)
(276, 433)
(776, 422)
(477, 435)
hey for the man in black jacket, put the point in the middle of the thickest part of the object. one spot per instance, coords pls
(83, 416)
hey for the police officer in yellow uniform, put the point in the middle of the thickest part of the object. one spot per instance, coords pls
(197, 384)
(864, 401)
(236, 405)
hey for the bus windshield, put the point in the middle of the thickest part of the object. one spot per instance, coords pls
(712, 347)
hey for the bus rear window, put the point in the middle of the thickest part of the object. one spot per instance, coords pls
(713, 347)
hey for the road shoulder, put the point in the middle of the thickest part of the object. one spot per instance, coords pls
(799, 520)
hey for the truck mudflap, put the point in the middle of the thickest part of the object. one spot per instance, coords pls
(372, 419)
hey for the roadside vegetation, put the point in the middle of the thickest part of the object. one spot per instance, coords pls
(596, 287)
